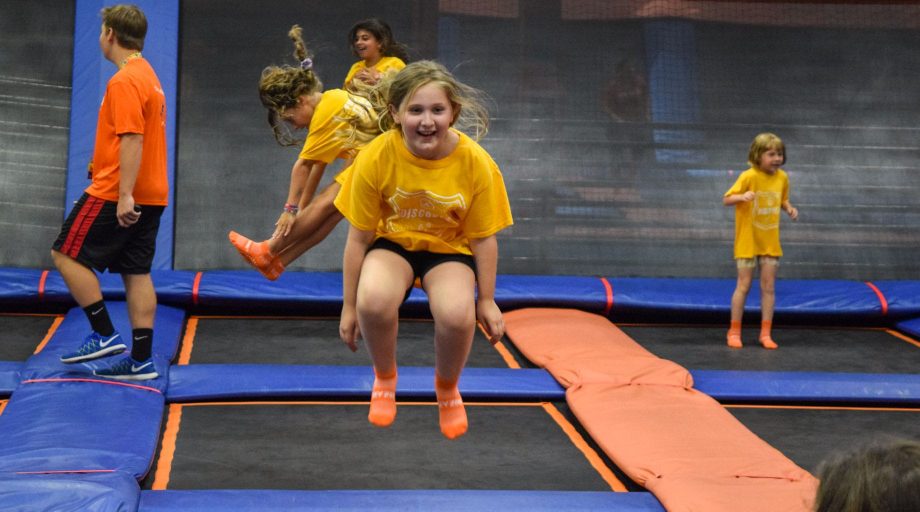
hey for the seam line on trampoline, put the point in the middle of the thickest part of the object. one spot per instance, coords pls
(608, 290)
(51, 330)
(94, 381)
(41, 284)
(881, 297)
(576, 438)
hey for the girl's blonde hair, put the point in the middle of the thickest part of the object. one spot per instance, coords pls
(470, 113)
(281, 87)
(764, 142)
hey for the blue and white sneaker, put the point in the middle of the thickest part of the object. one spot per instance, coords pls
(95, 346)
(129, 369)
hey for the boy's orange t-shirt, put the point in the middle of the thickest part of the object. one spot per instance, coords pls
(134, 102)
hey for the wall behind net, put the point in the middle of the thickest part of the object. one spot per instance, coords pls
(618, 126)
(36, 42)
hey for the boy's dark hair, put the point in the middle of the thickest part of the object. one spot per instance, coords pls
(128, 23)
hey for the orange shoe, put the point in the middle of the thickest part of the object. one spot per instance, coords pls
(734, 339)
(258, 255)
(768, 342)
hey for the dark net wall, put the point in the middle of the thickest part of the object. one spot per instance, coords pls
(36, 45)
(618, 126)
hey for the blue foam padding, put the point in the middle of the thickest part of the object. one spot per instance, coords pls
(19, 286)
(903, 297)
(308, 293)
(190, 383)
(9, 376)
(168, 325)
(440, 500)
(813, 387)
(81, 425)
(321, 292)
(173, 287)
(839, 302)
(70, 492)
(910, 327)
(584, 293)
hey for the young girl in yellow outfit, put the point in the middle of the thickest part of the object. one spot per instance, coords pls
(295, 99)
(758, 196)
(425, 201)
(372, 41)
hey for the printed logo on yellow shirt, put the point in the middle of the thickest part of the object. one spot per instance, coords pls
(425, 212)
(765, 210)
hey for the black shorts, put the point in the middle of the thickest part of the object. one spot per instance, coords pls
(92, 236)
(422, 261)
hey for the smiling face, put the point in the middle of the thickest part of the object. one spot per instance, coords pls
(425, 118)
(367, 46)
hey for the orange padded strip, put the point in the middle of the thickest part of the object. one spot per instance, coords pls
(680, 444)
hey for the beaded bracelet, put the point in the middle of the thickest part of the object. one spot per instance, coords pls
(291, 208)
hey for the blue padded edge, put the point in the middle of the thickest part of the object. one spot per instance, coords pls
(19, 286)
(842, 302)
(73, 329)
(70, 492)
(307, 293)
(189, 383)
(517, 291)
(767, 387)
(903, 297)
(9, 376)
(910, 327)
(440, 500)
(80, 426)
(173, 287)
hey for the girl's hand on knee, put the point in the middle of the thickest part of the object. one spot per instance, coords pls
(349, 330)
(490, 318)
(284, 225)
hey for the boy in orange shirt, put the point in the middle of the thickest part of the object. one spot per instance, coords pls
(114, 224)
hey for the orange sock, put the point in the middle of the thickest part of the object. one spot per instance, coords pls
(765, 339)
(257, 254)
(383, 400)
(734, 334)
(451, 413)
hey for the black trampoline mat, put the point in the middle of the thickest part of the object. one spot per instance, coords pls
(20, 335)
(800, 349)
(808, 435)
(220, 340)
(331, 446)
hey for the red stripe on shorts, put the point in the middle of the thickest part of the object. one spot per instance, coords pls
(81, 225)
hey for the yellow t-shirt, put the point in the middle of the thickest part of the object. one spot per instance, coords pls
(383, 65)
(757, 222)
(425, 205)
(322, 143)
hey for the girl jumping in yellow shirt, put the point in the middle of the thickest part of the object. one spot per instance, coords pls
(295, 100)
(424, 200)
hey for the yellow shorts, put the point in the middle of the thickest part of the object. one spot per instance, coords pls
(759, 260)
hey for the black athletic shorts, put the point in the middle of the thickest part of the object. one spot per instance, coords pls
(92, 236)
(421, 261)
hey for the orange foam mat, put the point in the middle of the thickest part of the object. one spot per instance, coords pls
(678, 443)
